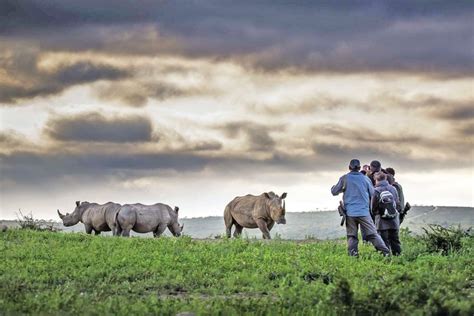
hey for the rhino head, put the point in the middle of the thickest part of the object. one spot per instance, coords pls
(175, 228)
(73, 218)
(276, 204)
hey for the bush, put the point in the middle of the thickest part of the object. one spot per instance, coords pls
(29, 222)
(444, 240)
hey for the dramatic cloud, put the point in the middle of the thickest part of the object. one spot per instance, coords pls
(257, 135)
(458, 112)
(137, 93)
(94, 127)
(23, 78)
(370, 36)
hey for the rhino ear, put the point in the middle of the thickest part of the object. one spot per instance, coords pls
(78, 203)
(283, 196)
(267, 196)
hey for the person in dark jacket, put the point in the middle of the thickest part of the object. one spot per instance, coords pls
(374, 167)
(388, 228)
(357, 191)
(398, 186)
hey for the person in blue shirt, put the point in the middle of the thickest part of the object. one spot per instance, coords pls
(357, 192)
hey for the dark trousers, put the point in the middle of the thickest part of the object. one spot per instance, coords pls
(367, 228)
(391, 240)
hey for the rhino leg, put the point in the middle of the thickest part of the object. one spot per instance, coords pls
(159, 230)
(126, 232)
(88, 229)
(264, 228)
(238, 230)
(118, 230)
(270, 226)
(228, 231)
(96, 232)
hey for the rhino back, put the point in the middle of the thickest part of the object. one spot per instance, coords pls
(95, 215)
(245, 209)
(148, 217)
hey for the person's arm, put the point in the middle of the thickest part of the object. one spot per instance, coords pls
(339, 187)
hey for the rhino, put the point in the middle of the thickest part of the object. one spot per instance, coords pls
(252, 211)
(95, 217)
(148, 218)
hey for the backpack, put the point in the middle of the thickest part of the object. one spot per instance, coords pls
(386, 205)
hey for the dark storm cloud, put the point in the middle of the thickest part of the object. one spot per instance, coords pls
(257, 135)
(447, 109)
(360, 150)
(405, 150)
(307, 106)
(32, 81)
(136, 94)
(94, 127)
(458, 112)
(30, 167)
(431, 37)
(364, 135)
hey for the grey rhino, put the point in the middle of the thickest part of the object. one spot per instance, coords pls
(148, 218)
(252, 211)
(95, 217)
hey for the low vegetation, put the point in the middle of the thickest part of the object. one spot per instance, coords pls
(27, 221)
(445, 240)
(63, 273)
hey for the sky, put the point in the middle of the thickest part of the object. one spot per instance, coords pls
(192, 103)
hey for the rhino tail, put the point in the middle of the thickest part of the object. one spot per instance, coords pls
(118, 228)
(228, 219)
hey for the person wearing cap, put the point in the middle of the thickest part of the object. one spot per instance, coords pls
(399, 188)
(357, 193)
(374, 167)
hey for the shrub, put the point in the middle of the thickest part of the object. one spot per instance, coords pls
(29, 222)
(444, 240)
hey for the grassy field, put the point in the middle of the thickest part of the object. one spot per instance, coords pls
(57, 273)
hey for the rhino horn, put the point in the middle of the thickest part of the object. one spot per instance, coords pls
(181, 226)
(60, 215)
(284, 207)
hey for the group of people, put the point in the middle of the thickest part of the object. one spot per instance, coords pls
(372, 200)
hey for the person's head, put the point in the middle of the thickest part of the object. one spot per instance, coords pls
(390, 170)
(380, 176)
(354, 165)
(375, 166)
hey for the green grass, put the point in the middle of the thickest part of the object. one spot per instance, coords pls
(58, 273)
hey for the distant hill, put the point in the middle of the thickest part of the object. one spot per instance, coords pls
(319, 225)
